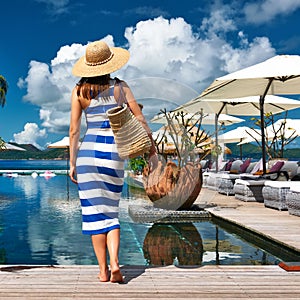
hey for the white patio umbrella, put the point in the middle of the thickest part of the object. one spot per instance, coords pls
(247, 106)
(289, 128)
(287, 125)
(8, 146)
(243, 106)
(63, 143)
(237, 135)
(208, 118)
(279, 75)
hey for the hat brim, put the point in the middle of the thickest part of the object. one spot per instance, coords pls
(119, 59)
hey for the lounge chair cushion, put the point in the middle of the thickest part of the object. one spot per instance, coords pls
(257, 167)
(245, 165)
(276, 167)
(228, 165)
(235, 166)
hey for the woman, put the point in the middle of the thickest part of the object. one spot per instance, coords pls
(96, 166)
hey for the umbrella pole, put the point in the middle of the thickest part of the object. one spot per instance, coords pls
(262, 122)
(217, 246)
(263, 142)
(217, 133)
(217, 142)
(68, 185)
(241, 150)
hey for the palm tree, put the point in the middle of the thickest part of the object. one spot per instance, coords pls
(2, 144)
(3, 90)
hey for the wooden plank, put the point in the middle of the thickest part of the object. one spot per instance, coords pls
(208, 282)
(278, 226)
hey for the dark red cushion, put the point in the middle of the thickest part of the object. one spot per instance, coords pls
(245, 165)
(277, 166)
(228, 166)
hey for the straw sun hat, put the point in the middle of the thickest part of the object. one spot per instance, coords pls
(100, 59)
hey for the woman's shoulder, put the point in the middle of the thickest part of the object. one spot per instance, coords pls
(120, 81)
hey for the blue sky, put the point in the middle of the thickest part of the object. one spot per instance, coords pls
(177, 50)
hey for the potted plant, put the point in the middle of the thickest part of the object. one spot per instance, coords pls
(176, 181)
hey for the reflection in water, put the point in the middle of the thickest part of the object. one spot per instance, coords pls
(40, 224)
(176, 243)
(28, 185)
(216, 250)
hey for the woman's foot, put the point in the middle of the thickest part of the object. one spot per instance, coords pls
(116, 276)
(104, 276)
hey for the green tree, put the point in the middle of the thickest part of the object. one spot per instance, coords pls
(137, 164)
(3, 90)
(2, 144)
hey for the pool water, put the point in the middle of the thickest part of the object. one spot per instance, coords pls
(40, 223)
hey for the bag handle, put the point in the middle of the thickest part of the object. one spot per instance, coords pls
(122, 95)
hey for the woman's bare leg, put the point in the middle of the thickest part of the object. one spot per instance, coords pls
(99, 244)
(113, 245)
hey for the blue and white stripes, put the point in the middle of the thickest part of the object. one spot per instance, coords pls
(100, 171)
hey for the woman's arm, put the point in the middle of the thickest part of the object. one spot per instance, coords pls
(136, 110)
(74, 132)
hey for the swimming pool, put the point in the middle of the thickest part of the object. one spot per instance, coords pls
(41, 224)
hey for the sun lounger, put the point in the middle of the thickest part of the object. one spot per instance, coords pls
(227, 180)
(249, 190)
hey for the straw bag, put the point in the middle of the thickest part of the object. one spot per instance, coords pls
(131, 138)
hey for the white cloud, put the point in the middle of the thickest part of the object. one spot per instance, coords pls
(248, 54)
(56, 7)
(169, 49)
(220, 20)
(170, 64)
(31, 134)
(41, 86)
(264, 11)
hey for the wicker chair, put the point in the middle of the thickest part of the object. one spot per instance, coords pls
(249, 190)
(293, 200)
(274, 193)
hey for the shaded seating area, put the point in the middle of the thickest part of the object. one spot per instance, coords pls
(223, 180)
(236, 168)
(245, 181)
(271, 188)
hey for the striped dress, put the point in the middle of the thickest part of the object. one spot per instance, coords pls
(100, 170)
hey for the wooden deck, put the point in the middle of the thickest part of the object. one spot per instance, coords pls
(206, 282)
(276, 225)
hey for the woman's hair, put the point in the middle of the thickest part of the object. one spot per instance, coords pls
(91, 87)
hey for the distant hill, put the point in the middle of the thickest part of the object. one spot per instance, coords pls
(253, 151)
(248, 150)
(33, 152)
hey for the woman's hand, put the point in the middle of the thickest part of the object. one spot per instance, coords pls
(153, 158)
(73, 174)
